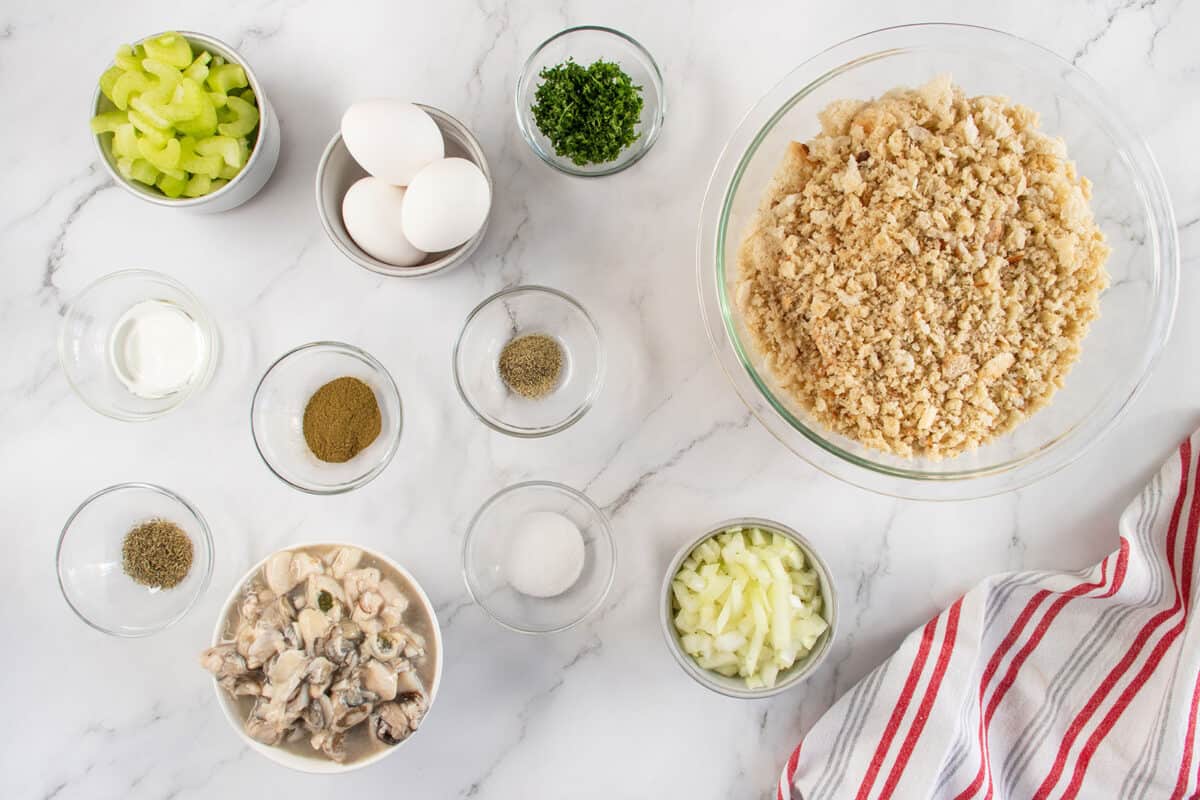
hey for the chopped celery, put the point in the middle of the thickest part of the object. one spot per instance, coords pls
(166, 130)
(231, 150)
(198, 69)
(143, 171)
(170, 48)
(198, 186)
(125, 141)
(149, 130)
(187, 102)
(167, 81)
(109, 79)
(209, 166)
(171, 186)
(129, 84)
(152, 112)
(224, 77)
(109, 121)
(204, 124)
(165, 157)
(128, 59)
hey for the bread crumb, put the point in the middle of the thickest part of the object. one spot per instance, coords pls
(921, 274)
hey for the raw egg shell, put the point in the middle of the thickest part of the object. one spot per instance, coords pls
(391, 139)
(446, 204)
(372, 210)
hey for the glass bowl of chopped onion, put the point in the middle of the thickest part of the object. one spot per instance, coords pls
(749, 609)
(1129, 204)
(106, 570)
(598, 56)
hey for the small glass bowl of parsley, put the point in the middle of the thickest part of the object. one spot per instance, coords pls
(590, 101)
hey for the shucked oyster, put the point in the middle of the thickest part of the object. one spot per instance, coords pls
(319, 650)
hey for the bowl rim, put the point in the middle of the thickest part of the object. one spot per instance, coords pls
(811, 445)
(596, 381)
(390, 383)
(230, 54)
(577, 496)
(319, 766)
(553, 160)
(451, 258)
(204, 319)
(797, 673)
(205, 535)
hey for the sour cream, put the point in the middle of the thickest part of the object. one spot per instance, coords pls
(156, 348)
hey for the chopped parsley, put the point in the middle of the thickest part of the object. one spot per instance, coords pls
(587, 113)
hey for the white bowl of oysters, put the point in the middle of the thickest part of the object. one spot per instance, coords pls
(326, 657)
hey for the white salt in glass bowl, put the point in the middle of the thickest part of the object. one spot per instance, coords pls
(277, 417)
(486, 547)
(1129, 198)
(319, 764)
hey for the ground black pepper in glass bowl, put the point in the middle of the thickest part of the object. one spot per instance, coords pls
(528, 410)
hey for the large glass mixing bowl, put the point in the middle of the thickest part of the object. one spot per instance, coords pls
(1130, 202)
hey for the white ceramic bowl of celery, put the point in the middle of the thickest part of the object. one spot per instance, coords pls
(735, 686)
(264, 152)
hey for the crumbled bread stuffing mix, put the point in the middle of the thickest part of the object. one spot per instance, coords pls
(920, 275)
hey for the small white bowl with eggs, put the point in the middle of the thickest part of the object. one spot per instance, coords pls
(400, 196)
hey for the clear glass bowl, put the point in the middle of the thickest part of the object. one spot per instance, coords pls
(1131, 205)
(798, 672)
(90, 573)
(521, 311)
(488, 541)
(85, 341)
(586, 44)
(277, 417)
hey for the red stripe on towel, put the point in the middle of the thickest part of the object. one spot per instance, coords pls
(1152, 663)
(889, 732)
(935, 682)
(1039, 632)
(1118, 671)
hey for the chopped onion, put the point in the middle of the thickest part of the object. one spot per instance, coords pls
(746, 604)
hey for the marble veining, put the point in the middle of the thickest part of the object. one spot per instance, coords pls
(600, 711)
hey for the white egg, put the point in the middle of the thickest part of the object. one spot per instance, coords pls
(447, 203)
(391, 139)
(372, 210)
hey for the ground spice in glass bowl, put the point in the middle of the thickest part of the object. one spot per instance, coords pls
(157, 553)
(341, 420)
(530, 365)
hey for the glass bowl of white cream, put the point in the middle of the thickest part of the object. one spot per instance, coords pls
(135, 344)
(539, 557)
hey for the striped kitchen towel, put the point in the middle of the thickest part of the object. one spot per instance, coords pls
(1038, 684)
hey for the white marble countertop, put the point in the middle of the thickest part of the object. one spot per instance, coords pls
(600, 711)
